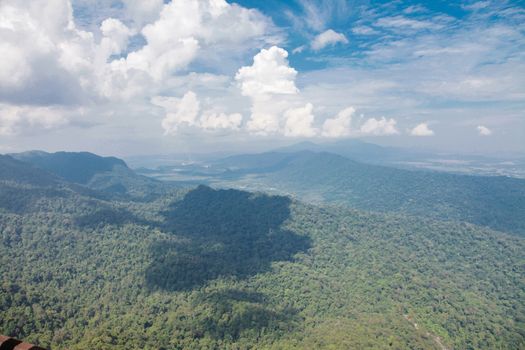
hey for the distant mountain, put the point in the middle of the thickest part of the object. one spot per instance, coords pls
(26, 188)
(351, 148)
(108, 174)
(497, 202)
(269, 161)
(469, 164)
(78, 167)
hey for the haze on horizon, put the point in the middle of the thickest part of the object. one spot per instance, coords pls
(131, 77)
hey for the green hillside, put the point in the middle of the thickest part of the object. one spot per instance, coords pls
(227, 269)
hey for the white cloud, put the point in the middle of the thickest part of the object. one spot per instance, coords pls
(326, 38)
(263, 124)
(476, 6)
(299, 122)
(48, 61)
(378, 127)
(414, 9)
(15, 68)
(14, 119)
(364, 30)
(185, 112)
(270, 73)
(316, 14)
(212, 121)
(483, 130)
(56, 63)
(299, 49)
(266, 81)
(44, 56)
(421, 130)
(115, 36)
(187, 27)
(178, 111)
(339, 126)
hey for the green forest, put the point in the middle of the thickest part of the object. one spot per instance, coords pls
(158, 266)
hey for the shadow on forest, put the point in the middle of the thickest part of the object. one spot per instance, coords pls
(221, 233)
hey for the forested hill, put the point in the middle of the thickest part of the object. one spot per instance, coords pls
(108, 174)
(214, 269)
(497, 202)
(79, 167)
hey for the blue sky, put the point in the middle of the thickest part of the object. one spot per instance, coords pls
(128, 77)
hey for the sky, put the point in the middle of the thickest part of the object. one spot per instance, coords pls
(137, 77)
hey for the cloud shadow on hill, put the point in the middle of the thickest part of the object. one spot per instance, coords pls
(221, 233)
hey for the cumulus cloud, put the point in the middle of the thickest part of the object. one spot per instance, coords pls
(339, 126)
(185, 111)
(269, 74)
(299, 122)
(48, 61)
(44, 56)
(378, 127)
(326, 38)
(115, 36)
(484, 131)
(14, 69)
(178, 111)
(13, 118)
(213, 121)
(186, 27)
(266, 81)
(421, 130)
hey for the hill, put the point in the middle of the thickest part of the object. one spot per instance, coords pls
(354, 149)
(108, 174)
(497, 202)
(78, 167)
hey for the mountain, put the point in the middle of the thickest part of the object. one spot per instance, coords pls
(78, 167)
(497, 202)
(107, 174)
(256, 162)
(353, 149)
(512, 165)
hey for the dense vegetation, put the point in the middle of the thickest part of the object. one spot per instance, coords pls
(203, 268)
